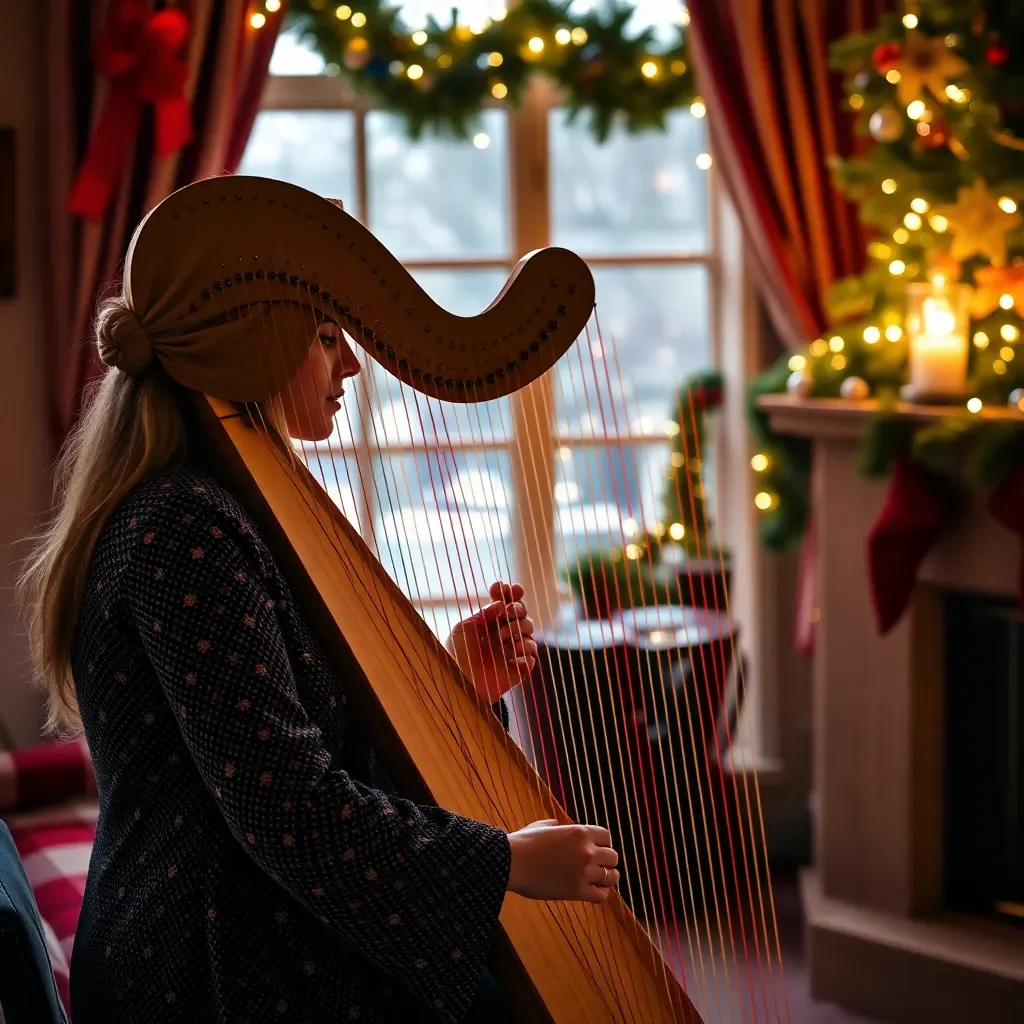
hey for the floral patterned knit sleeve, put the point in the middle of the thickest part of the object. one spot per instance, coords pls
(417, 890)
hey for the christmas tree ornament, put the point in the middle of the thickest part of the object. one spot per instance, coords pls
(886, 56)
(934, 135)
(997, 54)
(1016, 399)
(926, 65)
(861, 81)
(886, 124)
(855, 389)
(799, 384)
(357, 54)
(978, 224)
(992, 283)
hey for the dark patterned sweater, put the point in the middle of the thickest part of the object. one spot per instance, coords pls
(241, 873)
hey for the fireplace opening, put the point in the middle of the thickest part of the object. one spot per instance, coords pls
(984, 732)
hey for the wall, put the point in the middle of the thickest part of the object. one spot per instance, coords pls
(24, 448)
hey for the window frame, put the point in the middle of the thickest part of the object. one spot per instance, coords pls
(532, 428)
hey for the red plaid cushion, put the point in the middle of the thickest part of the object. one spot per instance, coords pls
(46, 800)
(45, 775)
(54, 846)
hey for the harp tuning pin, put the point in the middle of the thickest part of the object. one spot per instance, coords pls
(239, 196)
(217, 286)
(543, 337)
(449, 383)
(326, 296)
(315, 288)
(270, 202)
(175, 213)
(572, 289)
(363, 258)
(228, 283)
(206, 201)
(403, 363)
(562, 310)
(417, 372)
(195, 306)
(427, 378)
(293, 280)
(272, 275)
(207, 294)
(303, 283)
(554, 284)
(260, 275)
(524, 355)
(529, 319)
(309, 216)
(512, 365)
(500, 371)
(250, 276)
(376, 270)
(534, 347)
(222, 197)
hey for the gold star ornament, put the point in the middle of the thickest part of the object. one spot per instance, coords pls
(978, 225)
(927, 63)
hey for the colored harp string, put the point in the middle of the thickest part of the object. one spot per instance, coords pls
(706, 903)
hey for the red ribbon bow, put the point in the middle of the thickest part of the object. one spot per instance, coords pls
(140, 53)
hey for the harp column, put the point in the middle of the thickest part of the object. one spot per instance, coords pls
(533, 407)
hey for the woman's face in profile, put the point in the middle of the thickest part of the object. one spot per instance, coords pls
(312, 397)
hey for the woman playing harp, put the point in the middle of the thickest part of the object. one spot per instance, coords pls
(252, 860)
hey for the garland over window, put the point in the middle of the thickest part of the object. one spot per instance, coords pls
(441, 77)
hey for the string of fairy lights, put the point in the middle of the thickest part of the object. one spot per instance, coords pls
(440, 76)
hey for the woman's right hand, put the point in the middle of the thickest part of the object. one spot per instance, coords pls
(551, 861)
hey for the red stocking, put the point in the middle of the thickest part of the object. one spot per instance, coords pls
(916, 510)
(1006, 507)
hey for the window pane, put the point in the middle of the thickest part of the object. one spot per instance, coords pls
(632, 194)
(654, 334)
(339, 477)
(402, 415)
(310, 148)
(605, 494)
(664, 16)
(294, 57)
(438, 197)
(443, 521)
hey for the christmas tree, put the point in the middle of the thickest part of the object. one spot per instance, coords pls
(685, 515)
(939, 91)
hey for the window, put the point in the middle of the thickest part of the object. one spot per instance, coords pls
(459, 215)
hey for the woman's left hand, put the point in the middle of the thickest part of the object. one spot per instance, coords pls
(495, 647)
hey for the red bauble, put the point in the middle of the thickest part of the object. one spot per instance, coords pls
(886, 56)
(937, 137)
(997, 54)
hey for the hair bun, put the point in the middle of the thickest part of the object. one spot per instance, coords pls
(123, 340)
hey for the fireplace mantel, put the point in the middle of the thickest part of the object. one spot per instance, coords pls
(879, 940)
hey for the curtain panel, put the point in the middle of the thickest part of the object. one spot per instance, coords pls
(227, 65)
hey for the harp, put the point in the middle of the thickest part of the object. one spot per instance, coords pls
(257, 263)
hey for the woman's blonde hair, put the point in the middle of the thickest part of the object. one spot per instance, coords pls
(131, 427)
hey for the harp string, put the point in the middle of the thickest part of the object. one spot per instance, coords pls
(534, 460)
(641, 599)
(574, 909)
(758, 843)
(719, 672)
(694, 746)
(717, 658)
(579, 954)
(705, 796)
(643, 887)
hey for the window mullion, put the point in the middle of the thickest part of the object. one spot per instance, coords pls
(532, 453)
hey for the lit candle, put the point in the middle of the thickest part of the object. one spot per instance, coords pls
(938, 345)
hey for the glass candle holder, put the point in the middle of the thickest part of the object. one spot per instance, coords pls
(937, 326)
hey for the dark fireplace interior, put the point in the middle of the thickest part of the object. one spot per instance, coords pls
(984, 865)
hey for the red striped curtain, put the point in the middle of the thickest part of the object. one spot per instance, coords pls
(228, 61)
(774, 119)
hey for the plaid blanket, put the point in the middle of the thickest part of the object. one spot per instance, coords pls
(47, 799)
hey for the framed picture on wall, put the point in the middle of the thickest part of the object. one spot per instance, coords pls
(8, 256)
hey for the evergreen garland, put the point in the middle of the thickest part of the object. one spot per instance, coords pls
(442, 77)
